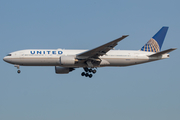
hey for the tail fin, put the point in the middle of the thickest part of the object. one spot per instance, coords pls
(155, 43)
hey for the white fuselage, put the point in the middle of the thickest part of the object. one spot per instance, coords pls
(51, 57)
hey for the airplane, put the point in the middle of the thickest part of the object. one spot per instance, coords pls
(66, 61)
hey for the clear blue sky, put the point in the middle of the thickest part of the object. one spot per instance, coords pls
(143, 92)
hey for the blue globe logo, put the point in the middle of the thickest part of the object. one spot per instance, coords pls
(151, 46)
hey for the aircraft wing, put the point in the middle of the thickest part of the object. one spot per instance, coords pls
(101, 50)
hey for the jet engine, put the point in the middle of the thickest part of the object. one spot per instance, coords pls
(63, 70)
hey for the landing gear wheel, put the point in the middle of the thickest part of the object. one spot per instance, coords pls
(94, 71)
(18, 71)
(90, 75)
(90, 70)
(86, 69)
(83, 73)
(17, 66)
(86, 74)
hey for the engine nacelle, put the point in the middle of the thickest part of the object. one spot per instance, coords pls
(67, 60)
(62, 70)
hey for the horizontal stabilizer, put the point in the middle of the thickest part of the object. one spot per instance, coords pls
(162, 52)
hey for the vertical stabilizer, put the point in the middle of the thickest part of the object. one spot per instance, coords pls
(155, 43)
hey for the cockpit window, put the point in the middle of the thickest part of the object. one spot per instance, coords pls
(8, 55)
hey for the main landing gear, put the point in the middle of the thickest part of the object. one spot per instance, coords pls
(18, 71)
(88, 72)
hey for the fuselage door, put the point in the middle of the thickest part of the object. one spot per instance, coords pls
(21, 55)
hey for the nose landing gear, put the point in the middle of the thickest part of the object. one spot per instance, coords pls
(87, 72)
(18, 71)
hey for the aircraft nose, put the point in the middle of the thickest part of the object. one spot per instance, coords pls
(10, 60)
(5, 59)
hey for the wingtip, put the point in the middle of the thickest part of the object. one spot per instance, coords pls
(125, 35)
